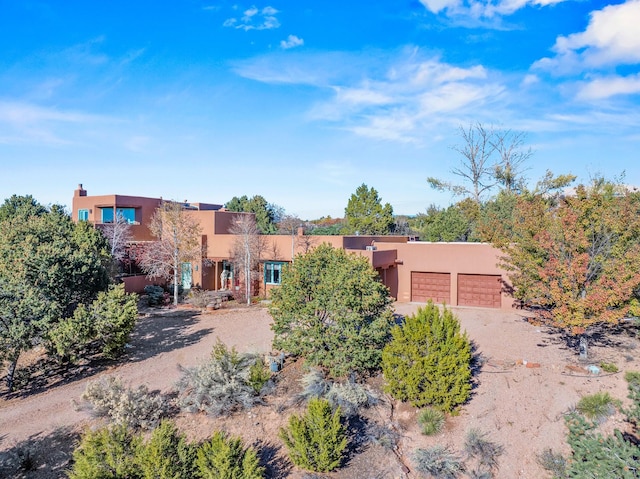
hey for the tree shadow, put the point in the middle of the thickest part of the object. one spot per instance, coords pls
(367, 441)
(40, 456)
(274, 466)
(614, 336)
(153, 334)
(160, 333)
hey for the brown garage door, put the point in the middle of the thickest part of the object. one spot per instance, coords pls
(481, 290)
(430, 286)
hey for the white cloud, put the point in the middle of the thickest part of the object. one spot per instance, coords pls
(530, 79)
(27, 122)
(292, 41)
(24, 113)
(361, 96)
(482, 9)
(389, 97)
(606, 87)
(611, 38)
(437, 6)
(254, 19)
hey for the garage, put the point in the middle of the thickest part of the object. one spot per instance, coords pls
(481, 290)
(430, 286)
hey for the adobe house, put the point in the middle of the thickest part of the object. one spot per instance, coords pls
(458, 274)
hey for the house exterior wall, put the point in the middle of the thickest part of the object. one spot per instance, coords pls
(453, 258)
(145, 207)
(393, 257)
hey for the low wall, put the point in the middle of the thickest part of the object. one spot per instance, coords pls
(136, 284)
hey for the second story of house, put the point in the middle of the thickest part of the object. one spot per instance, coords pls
(135, 210)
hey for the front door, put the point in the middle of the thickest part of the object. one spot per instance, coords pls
(186, 276)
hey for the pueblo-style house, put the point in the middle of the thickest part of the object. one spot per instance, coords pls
(458, 274)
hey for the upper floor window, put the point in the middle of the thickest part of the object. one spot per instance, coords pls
(83, 215)
(127, 214)
(106, 215)
(272, 272)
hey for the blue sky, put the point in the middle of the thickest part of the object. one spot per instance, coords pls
(303, 101)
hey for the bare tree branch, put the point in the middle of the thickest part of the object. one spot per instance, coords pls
(178, 241)
(247, 249)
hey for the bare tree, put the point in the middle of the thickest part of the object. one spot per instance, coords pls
(178, 241)
(476, 168)
(306, 243)
(119, 236)
(509, 171)
(289, 224)
(247, 248)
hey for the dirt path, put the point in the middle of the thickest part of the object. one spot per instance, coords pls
(159, 344)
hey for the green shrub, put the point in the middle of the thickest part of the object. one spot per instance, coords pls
(332, 310)
(155, 295)
(595, 455)
(438, 461)
(428, 361)
(109, 453)
(317, 440)
(608, 367)
(227, 458)
(166, 455)
(103, 327)
(136, 408)
(633, 385)
(220, 385)
(431, 421)
(114, 313)
(596, 406)
(70, 338)
(259, 375)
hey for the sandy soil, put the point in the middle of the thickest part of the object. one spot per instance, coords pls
(518, 406)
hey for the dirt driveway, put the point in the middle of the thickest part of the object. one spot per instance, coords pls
(520, 407)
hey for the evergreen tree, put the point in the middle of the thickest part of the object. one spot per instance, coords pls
(331, 309)
(48, 266)
(227, 458)
(108, 453)
(317, 440)
(267, 214)
(428, 360)
(366, 215)
(166, 455)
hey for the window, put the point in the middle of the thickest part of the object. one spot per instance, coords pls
(83, 215)
(106, 215)
(127, 214)
(272, 272)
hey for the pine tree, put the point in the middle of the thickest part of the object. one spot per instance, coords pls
(317, 440)
(166, 455)
(106, 453)
(227, 458)
(428, 360)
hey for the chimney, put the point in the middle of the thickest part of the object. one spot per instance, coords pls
(80, 191)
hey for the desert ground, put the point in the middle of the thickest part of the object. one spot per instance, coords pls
(528, 379)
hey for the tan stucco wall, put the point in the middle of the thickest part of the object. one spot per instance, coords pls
(453, 258)
(145, 207)
(394, 257)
